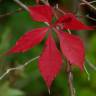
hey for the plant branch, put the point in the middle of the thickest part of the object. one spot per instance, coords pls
(11, 13)
(70, 80)
(89, 4)
(70, 76)
(87, 72)
(69, 73)
(29, 61)
(86, 16)
(59, 9)
(90, 64)
(22, 5)
(21, 9)
(18, 67)
(45, 2)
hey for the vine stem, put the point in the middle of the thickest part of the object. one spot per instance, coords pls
(70, 76)
(89, 4)
(69, 71)
(70, 80)
(92, 66)
(11, 13)
(18, 67)
(22, 5)
(72, 90)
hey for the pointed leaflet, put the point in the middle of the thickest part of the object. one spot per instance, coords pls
(29, 40)
(72, 48)
(69, 21)
(50, 61)
(41, 13)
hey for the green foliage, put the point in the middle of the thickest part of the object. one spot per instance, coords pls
(5, 90)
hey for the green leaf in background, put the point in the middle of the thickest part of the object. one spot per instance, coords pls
(5, 90)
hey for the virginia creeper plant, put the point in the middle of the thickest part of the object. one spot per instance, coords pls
(51, 58)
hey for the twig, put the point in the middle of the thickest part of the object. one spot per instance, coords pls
(22, 5)
(87, 72)
(90, 5)
(70, 80)
(70, 76)
(69, 73)
(11, 13)
(59, 9)
(90, 64)
(45, 2)
(18, 67)
(29, 61)
(86, 16)
(91, 2)
(20, 9)
(91, 18)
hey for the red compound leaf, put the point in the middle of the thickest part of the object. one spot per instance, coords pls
(50, 61)
(69, 21)
(72, 48)
(29, 40)
(41, 13)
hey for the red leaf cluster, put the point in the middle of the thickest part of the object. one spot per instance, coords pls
(50, 61)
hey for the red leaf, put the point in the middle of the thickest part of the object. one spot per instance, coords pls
(41, 13)
(29, 40)
(72, 48)
(69, 21)
(50, 61)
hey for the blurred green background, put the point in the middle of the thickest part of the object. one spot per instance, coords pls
(28, 81)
